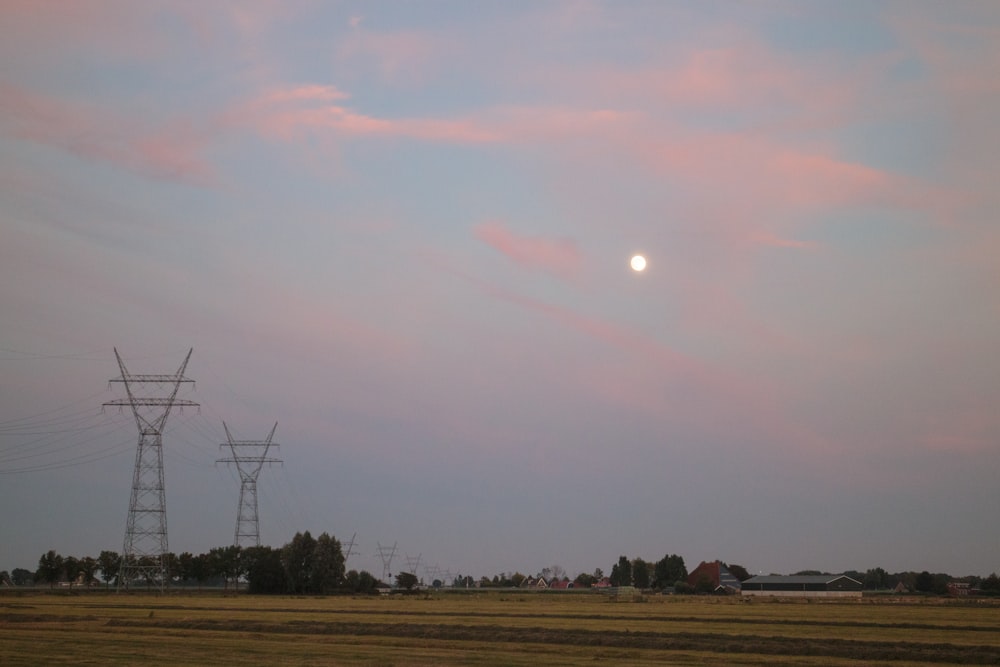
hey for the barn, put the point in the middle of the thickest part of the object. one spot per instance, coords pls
(819, 585)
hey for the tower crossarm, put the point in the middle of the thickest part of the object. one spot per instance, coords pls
(153, 402)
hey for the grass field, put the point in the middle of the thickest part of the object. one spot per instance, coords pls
(493, 628)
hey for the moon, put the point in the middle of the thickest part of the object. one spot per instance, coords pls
(638, 263)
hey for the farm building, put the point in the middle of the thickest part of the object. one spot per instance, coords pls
(716, 575)
(820, 585)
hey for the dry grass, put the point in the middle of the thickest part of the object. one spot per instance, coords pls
(487, 629)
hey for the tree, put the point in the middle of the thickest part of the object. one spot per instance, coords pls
(584, 580)
(21, 577)
(990, 584)
(296, 557)
(327, 569)
(50, 568)
(367, 583)
(738, 571)
(621, 572)
(406, 580)
(264, 571)
(364, 582)
(225, 562)
(640, 573)
(517, 579)
(876, 579)
(88, 570)
(668, 571)
(71, 568)
(109, 563)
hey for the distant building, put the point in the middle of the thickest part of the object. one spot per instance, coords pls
(819, 585)
(959, 588)
(717, 575)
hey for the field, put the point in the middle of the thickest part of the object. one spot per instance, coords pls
(493, 628)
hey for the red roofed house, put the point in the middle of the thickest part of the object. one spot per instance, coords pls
(715, 574)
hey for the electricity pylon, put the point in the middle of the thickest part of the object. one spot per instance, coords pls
(412, 563)
(249, 457)
(146, 528)
(386, 554)
(349, 548)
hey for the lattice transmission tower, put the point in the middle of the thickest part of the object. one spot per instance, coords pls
(250, 456)
(386, 554)
(151, 398)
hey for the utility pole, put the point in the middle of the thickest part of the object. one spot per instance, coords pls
(249, 457)
(386, 554)
(145, 547)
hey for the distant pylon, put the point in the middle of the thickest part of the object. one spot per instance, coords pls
(386, 554)
(349, 548)
(412, 563)
(249, 457)
(146, 528)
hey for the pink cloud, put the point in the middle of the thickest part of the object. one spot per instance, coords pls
(557, 256)
(171, 152)
(289, 112)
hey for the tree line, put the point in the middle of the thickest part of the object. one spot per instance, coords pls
(316, 566)
(306, 566)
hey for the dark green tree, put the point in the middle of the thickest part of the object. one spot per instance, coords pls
(50, 568)
(367, 583)
(327, 567)
(406, 580)
(264, 571)
(924, 582)
(876, 579)
(88, 569)
(21, 577)
(109, 563)
(584, 580)
(296, 558)
(621, 572)
(668, 571)
(640, 573)
(71, 570)
(225, 562)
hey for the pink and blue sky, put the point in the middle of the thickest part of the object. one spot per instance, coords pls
(402, 230)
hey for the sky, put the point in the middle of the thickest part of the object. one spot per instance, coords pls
(402, 231)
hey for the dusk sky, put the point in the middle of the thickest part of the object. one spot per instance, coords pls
(402, 230)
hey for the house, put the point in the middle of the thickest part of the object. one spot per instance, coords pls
(819, 585)
(560, 585)
(532, 582)
(959, 588)
(716, 575)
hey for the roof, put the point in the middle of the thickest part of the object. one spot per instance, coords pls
(797, 579)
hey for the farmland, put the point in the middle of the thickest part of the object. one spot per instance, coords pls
(496, 628)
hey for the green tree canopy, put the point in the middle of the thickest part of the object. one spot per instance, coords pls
(406, 580)
(621, 572)
(668, 571)
(50, 568)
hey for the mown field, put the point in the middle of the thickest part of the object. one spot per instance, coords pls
(489, 629)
